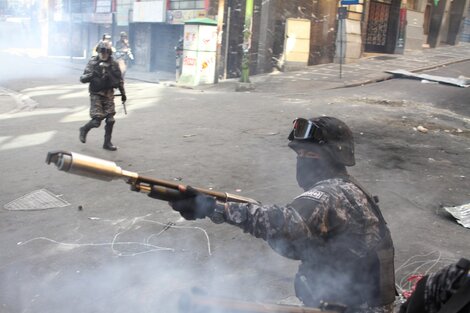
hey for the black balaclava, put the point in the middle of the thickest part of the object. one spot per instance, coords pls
(319, 166)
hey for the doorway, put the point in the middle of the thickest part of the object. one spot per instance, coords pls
(382, 26)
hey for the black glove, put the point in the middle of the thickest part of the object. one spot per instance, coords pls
(86, 78)
(195, 205)
(123, 97)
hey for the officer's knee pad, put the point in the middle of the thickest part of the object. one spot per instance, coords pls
(110, 120)
(95, 122)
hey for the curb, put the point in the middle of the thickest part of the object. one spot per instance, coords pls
(366, 82)
(420, 69)
(391, 76)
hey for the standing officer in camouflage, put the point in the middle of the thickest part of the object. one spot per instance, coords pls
(335, 228)
(103, 74)
(123, 53)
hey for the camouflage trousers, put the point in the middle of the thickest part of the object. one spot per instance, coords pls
(102, 106)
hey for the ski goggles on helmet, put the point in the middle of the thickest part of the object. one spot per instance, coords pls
(306, 129)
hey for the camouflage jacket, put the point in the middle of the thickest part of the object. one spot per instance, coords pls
(333, 229)
(103, 77)
(321, 219)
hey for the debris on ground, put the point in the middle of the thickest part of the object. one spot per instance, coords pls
(413, 281)
(425, 81)
(465, 79)
(409, 273)
(461, 213)
(460, 82)
(422, 129)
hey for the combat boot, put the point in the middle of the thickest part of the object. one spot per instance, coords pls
(93, 123)
(83, 132)
(108, 129)
(109, 146)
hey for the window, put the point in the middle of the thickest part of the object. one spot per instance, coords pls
(187, 4)
(413, 5)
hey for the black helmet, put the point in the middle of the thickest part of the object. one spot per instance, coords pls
(104, 46)
(327, 132)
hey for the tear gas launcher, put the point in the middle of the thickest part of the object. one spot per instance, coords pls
(79, 164)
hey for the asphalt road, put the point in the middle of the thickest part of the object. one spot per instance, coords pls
(110, 249)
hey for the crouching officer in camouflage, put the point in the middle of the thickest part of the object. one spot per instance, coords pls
(335, 228)
(103, 74)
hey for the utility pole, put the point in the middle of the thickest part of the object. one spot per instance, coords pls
(113, 25)
(342, 15)
(220, 25)
(245, 77)
(227, 41)
(113, 19)
(70, 29)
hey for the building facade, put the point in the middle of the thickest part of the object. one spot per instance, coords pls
(155, 27)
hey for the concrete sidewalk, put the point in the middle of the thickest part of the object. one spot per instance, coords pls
(366, 70)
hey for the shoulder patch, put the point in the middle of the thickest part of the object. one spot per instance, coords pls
(313, 194)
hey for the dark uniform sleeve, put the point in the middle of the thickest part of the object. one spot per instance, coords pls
(267, 221)
(88, 73)
(304, 222)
